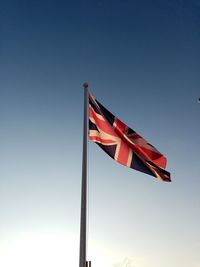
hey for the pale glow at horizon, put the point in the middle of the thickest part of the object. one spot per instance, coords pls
(60, 249)
(57, 249)
(37, 249)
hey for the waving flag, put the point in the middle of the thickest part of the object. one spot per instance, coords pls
(123, 144)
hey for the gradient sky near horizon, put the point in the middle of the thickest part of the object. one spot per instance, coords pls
(142, 61)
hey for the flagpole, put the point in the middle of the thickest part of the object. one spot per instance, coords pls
(83, 219)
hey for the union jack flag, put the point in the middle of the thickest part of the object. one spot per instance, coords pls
(123, 144)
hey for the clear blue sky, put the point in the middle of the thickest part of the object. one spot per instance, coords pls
(142, 61)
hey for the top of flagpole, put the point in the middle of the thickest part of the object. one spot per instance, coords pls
(85, 86)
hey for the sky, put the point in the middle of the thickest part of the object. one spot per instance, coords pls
(142, 61)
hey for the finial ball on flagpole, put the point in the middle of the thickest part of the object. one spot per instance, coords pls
(85, 85)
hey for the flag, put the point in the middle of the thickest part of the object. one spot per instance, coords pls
(123, 144)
